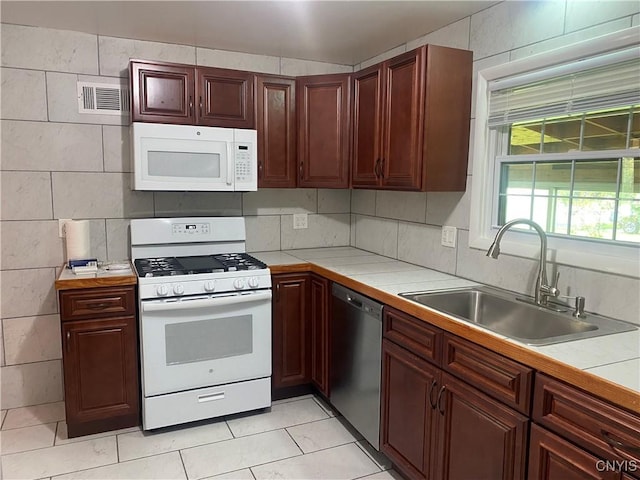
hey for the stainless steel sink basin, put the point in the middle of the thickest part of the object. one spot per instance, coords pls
(503, 313)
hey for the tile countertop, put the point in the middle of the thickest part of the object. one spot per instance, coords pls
(614, 358)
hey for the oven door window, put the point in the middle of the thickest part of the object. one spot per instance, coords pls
(204, 340)
(184, 164)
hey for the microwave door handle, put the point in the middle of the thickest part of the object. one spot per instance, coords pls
(230, 162)
(206, 302)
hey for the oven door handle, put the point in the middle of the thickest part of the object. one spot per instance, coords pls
(206, 302)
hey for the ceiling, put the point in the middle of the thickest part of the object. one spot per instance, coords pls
(345, 32)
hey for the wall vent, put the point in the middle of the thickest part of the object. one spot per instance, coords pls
(103, 98)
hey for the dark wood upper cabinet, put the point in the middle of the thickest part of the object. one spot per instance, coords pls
(190, 95)
(324, 127)
(276, 125)
(162, 93)
(411, 121)
(225, 98)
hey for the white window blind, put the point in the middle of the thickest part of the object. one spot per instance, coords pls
(597, 83)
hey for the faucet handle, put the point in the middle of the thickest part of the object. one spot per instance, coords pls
(579, 308)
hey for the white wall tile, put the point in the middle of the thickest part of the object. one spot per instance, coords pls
(31, 244)
(2, 363)
(98, 195)
(327, 230)
(51, 146)
(582, 14)
(274, 201)
(31, 384)
(294, 67)
(384, 56)
(173, 204)
(117, 149)
(263, 233)
(352, 233)
(455, 35)
(574, 37)
(334, 200)
(363, 202)
(32, 339)
(508, 272)
(377, 235)
(635, 20)
(449, 208)
(118, 239)
(26, 196)
(116, 52)
(510, 25)
(48, 49)
(237, 60)
(410, 206)
(97, 239)
(28, 292)
(604, 293)
(420, 244)
(24, 95)
(62, 99)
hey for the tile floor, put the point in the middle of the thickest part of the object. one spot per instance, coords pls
(298, 438)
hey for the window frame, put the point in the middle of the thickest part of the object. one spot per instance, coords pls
(620, 259)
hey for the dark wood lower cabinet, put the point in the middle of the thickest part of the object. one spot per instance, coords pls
(291, 339)
(320, 304)
(408, 421)
(553, 458)
(100, 360)
(480, 438)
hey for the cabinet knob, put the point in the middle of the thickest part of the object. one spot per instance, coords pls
(441, 407)
(190, 105)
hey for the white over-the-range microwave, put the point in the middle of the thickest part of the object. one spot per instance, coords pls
(193, 158)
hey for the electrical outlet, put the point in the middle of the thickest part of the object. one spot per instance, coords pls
(61, 229)
(449, 235)
(300, 220)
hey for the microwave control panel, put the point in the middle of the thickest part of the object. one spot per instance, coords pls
(245, 163)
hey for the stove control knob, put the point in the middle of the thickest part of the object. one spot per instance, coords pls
(238, 283)
(178, 289)
(209, 286)
(253, 282)
(162, 290)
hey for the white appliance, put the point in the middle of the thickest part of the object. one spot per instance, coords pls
(205, 320)
(192, 158)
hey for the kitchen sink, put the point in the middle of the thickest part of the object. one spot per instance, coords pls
(505, 314)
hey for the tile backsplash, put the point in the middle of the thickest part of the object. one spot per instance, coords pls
(57, 163)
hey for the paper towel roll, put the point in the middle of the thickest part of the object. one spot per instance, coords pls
(77, 235)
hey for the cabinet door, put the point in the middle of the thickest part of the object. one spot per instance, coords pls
(100, 374)
(290, 330)
(319, 299)
(552, 458)
(408, 419)
(403, 120)
(480, 437)
(276, 124)
(225, 98)
(162, 93)
(367, 127)
(323, 131)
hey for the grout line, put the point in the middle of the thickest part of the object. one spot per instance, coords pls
(612, 363)
(294, 441)
(184, 467)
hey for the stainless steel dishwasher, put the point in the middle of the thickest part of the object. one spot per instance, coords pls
(356, 341)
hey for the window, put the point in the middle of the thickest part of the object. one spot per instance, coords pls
(558, 142)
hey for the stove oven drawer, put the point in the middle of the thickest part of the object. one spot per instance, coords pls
(210, 402)
(97, 303)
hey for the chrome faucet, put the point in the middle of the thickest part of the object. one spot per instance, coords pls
(543, 290)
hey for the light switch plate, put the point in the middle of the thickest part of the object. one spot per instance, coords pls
(449, 235)
(61, 230)
(300, 220)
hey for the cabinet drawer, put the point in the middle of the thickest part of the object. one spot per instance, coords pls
(597, 426)
(415, 335)
(97, 303)
(497, 376)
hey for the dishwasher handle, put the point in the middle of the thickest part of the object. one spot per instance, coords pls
(357, 301)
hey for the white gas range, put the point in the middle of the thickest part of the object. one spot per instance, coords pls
(205, 319)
